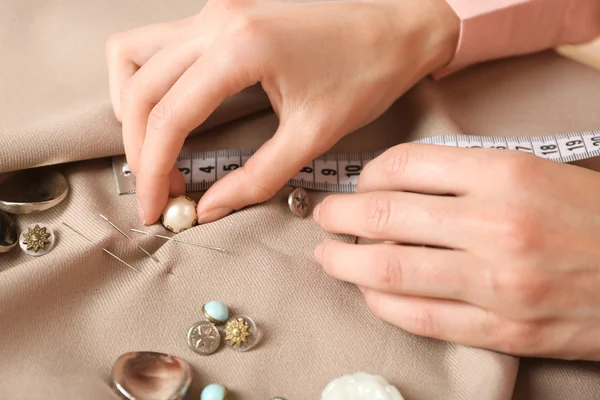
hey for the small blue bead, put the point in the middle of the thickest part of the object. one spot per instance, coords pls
(217, 310)
(213, 392)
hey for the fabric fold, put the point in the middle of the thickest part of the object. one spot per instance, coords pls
(66, 317)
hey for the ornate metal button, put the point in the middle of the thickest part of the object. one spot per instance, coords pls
(360, 386)
(32, 190)
(214, 392)
(9, 234)
(204, 338)
(179, 214)
(241, 333)
(216, 312)
(298, 202)
(151, 376)
(36, 240)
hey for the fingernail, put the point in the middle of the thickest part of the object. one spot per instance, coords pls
(213, 215)
(316, 212)
(361, 288)
(141, 211)
(318, 251)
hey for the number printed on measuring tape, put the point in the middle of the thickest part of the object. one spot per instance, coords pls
(339, 172)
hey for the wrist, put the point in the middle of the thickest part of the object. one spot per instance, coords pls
(435, 32)
(444, 26)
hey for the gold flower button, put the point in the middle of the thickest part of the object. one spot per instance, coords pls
(241, 333)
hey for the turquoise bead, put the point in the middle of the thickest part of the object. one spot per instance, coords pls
(216, 312)
(214, 392)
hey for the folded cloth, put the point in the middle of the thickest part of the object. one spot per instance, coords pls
(66, 317)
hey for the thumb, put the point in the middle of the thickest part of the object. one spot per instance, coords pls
(276, 162)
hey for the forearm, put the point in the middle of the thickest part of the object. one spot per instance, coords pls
(493, 29)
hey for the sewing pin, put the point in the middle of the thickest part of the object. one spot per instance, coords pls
(180, 241)
(133, 241)
(77, 232)
(121, 260)
(90, 240)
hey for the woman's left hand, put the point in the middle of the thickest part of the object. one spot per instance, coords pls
(512, 262)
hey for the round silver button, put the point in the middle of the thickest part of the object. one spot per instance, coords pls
(151, 376)
(298, 202)
(204, 338)
(36, 240)
(9, 234)
(32, 190)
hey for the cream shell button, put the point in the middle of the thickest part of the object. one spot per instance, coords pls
(360, 386)
(179, 214)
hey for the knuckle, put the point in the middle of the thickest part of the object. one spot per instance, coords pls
(115, 45)
(515, 337)
(378, 213)
(257, 191)
(520, 289)
(397, 161)
(514, 227)
(514, 168)
(422, 322)
(419, 320)
(245, 28)
(137, 91)
(130, 89)
(387, 269)
(161, 117)
(229, 5)
(518, 228)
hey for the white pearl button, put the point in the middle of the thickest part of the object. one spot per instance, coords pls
(360, 386)
(179, 214)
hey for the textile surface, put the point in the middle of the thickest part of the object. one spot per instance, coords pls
(66, 317)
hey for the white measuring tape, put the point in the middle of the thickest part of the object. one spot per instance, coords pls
(338, 172)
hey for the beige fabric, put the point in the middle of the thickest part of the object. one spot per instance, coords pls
(67, 316)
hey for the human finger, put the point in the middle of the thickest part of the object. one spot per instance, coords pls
(409, 270)
(468, 325)
(127, 51)
(145, 89)
(397, 216)
(267, 171)
(448, 320)
(220, 73)
(424, 168)
(176, 182)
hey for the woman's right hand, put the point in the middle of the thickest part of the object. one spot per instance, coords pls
(328, 69)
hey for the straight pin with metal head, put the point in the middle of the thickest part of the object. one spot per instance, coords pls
(180, 241)
(77, 232)
(108, 252)
(133, 241)
(135, 269)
